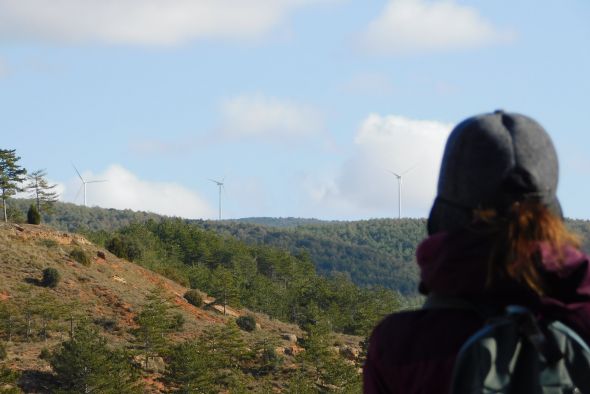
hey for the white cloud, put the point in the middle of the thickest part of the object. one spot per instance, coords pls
(124, 190)
(259, 116)
(412, 26)
(145, 22)
(364, 184)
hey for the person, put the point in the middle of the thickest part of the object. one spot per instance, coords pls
(496, 238)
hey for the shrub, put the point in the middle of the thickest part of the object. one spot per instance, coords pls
(107, 323)
(51, 277)
(33, 215)
(246, 323)
(194, 298)
(3, 353)
(177, 321)
(45, 354)
(80, 256)
(124, 247)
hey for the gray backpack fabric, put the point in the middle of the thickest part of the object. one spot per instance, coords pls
(514, 353)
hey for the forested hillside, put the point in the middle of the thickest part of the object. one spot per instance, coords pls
(377, 252)
(77, 218)
(372, 252)
(263, 278)
(75, 318)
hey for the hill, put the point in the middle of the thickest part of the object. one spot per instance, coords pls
(378, 252)
(112, 295)
(370, 253)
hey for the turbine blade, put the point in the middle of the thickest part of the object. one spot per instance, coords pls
(399, 176)
(78, 172)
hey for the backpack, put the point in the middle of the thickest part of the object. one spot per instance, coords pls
(514, 352)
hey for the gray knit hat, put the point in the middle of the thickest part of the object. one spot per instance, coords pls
(491, 161)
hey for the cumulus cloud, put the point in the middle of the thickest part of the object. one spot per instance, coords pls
(382, 144)
(412, 26)
(124, 190)
(259, 116)
(145, 22)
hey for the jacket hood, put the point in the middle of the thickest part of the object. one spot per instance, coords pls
(455, 264)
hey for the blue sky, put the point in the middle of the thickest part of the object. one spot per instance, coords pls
(300, 106)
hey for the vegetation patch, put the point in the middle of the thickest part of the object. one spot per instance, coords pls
(51, 277)
(80, 256)
(33, 215)
(246, 323)
(194, 298)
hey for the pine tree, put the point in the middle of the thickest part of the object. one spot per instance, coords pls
(33, 215)
(191, 369)
(322, 365)
(11, 175)
(155, 321)
(42, 191)
(84, 364)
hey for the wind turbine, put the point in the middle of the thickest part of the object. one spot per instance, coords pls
(220, 185)
(399, 188)
(84, 182)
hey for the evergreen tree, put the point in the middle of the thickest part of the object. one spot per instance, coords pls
(226, 350)
(329, 371)
(191, 369)
(43, 192)
(84, 364)
(155, 321)
(224, 287)
(33, 215)
(11, 175)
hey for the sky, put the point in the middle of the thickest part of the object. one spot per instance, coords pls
(302, 108)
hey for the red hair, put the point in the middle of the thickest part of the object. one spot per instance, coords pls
(517, 236)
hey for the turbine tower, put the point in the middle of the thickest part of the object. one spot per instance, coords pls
(220, 185)
(399, 189)
(84, 182)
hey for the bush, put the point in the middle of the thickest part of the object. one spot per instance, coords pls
(80, 256)
(107, 323)
(33, 215)
(194, 298)
(51, 277)
(246, 323)
(124, 247)
(45, 354)
(177, 322)
(3, 353)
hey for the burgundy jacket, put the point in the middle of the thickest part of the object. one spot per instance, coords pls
(414, 352)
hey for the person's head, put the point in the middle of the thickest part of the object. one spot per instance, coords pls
(501, 169)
